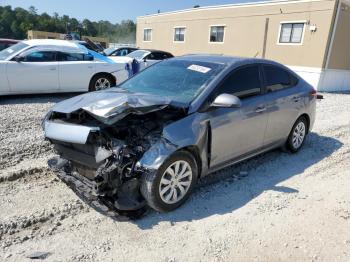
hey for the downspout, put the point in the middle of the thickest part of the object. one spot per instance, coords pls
(329, 48)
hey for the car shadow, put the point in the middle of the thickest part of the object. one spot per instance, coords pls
(233, 187)
(36, 99)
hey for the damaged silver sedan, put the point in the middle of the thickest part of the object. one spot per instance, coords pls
(148, 141)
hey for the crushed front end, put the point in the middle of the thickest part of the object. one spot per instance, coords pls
(98, 157)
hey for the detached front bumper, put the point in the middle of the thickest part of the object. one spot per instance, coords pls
(126, 205)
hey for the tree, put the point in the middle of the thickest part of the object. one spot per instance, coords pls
(14, 23)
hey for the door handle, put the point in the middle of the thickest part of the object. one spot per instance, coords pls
(260, 109)
(52, 68)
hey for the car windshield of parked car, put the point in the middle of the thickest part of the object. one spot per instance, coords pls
(139, 54)
(180, 80)
(109, 51)
(8, 52)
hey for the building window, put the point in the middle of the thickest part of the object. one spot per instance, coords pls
(291, 33)
(217, 34)
(179, 34)
(147, 35)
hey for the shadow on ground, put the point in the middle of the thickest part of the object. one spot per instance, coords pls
(228, 190)
(35, 99)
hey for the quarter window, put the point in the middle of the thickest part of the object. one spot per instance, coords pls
(278, 78)
(217, 34)
(244, 82)
(179, 35)
(291, 33)
(147, 35)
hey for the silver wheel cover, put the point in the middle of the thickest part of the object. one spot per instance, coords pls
(298, 135)
(175, 182)
(102, 83)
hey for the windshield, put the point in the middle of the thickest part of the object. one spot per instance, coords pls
(139, 54)
(8, 52)
(179, 80)
(109, 51)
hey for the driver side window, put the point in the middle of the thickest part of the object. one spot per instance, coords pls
(40, 56)
(243, 82)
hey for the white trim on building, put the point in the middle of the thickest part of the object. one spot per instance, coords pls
(329, 80)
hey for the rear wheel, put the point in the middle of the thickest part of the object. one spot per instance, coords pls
(171, 185)
(101, 82)
(297, 135)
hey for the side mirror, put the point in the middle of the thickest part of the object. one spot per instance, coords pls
(226, 100)
(18, 59)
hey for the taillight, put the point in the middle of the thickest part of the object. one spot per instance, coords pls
(313, 93)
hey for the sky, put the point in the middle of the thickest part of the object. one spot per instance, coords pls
(111, 10)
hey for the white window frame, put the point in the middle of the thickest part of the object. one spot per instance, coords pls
(292, 22)
(144, 34)
(179, 27)
(223, 40)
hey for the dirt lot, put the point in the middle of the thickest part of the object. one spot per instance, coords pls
(274, 207)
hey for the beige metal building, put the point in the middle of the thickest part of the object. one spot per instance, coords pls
(32, 34)
(310, 36)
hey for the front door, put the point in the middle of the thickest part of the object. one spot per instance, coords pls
(37, 71)
(238, 131)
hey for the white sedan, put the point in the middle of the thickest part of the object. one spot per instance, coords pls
(140, 59)
(51, 66)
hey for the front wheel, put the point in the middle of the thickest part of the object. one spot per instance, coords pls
(171, 185)
(100, 82)
(297, 135)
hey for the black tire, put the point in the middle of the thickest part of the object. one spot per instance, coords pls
(96, 78)
(290, 145)
(150, 183)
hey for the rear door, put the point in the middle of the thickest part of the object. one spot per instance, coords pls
(75, 71)
(238, 131)
(37, 72)
(283, 102)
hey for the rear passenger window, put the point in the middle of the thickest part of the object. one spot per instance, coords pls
(277, 78)
(244, 82)
(71, 57)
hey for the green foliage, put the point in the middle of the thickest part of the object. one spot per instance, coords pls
(14, 23)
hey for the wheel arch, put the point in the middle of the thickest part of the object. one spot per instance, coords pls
(103, 74)
(194, 151)
(307, 117)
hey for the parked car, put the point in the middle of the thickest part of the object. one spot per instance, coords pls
(50, 66)
(140, 59)
(5, 43)
(120, 51)
(149, 140)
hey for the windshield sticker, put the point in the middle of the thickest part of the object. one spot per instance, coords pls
(10, 51)
(200, 69)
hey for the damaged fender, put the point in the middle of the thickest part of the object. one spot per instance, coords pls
(192, 132)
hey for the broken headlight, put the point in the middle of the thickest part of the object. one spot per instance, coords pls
(46, 117)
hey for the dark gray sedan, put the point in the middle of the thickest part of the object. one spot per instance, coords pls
(149, 140)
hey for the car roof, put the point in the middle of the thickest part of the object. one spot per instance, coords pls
(154, 50)
(9, 40)
(222, 59)
(48, 42)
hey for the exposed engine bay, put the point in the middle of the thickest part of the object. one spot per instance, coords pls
(106, 163)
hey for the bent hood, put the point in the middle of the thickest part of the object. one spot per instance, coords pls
(110, 106)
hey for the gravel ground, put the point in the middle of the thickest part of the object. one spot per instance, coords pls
(274, 207)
